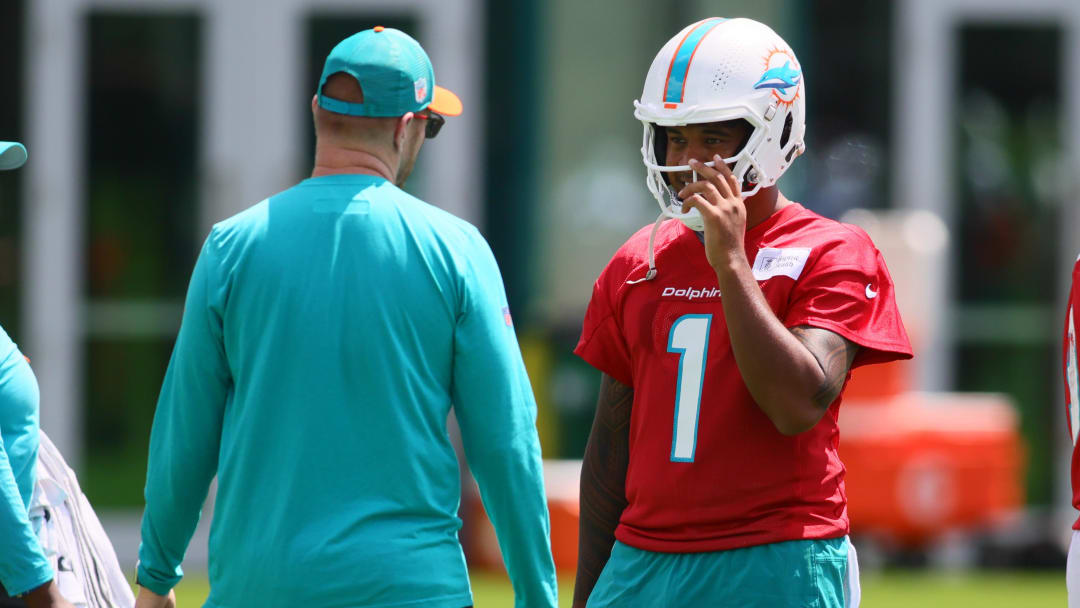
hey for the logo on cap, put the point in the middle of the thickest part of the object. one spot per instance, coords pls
(421, 89)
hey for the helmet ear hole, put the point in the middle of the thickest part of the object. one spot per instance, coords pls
(786, 134)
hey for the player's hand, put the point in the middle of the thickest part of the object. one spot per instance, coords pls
(149, 599)
(47, 596)
(718, 197)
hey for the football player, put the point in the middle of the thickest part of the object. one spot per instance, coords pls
(725, 339)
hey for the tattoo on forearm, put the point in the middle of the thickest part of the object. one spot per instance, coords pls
(834, 354)
(603, 483)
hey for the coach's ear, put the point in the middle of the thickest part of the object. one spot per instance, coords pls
(314, 102)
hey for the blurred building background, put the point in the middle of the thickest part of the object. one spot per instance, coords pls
(149, 120)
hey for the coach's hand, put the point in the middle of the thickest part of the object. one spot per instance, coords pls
(149, 599)
(718, 197)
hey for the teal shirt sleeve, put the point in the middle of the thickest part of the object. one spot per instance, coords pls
(186, 432)
(495, 407)
(23, 565)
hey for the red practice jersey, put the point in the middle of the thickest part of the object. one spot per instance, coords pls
(708, 470)
(1072, 398)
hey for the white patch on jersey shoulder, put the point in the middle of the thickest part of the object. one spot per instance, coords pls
(772, 262)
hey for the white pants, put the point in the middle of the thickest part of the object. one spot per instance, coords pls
(1072, 571)
(854, 590)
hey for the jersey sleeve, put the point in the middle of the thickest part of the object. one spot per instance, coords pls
(602, 343)
(496, 410)
(1070, 352)
(186, 433)
(848, 290)
(23, 565)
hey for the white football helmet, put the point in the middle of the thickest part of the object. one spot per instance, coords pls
(716, 70)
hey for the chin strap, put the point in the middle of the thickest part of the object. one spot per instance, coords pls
(651, 274)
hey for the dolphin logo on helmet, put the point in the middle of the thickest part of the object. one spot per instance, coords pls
(781, 78)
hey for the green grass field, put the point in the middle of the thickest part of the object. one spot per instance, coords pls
(889, 589)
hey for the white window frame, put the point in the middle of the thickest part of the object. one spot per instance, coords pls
(925, 60)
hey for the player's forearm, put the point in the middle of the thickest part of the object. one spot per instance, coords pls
(781, 374)
(603, 484)
(601, 505)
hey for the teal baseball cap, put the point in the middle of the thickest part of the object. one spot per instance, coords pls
(394, 73)
(12, 155)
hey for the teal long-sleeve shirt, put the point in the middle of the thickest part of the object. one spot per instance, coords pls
(23, 565)
(326, 333)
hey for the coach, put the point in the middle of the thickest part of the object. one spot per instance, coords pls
(326, 333)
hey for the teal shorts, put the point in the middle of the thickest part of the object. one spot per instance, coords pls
(800, 573)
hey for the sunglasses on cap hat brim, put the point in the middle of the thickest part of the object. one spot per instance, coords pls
(435, 122)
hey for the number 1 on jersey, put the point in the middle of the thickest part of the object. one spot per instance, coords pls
(690, 338)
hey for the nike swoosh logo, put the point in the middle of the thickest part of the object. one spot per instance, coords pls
(870, 293)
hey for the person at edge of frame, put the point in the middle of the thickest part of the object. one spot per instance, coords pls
(1072, 419)
(25, 571)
